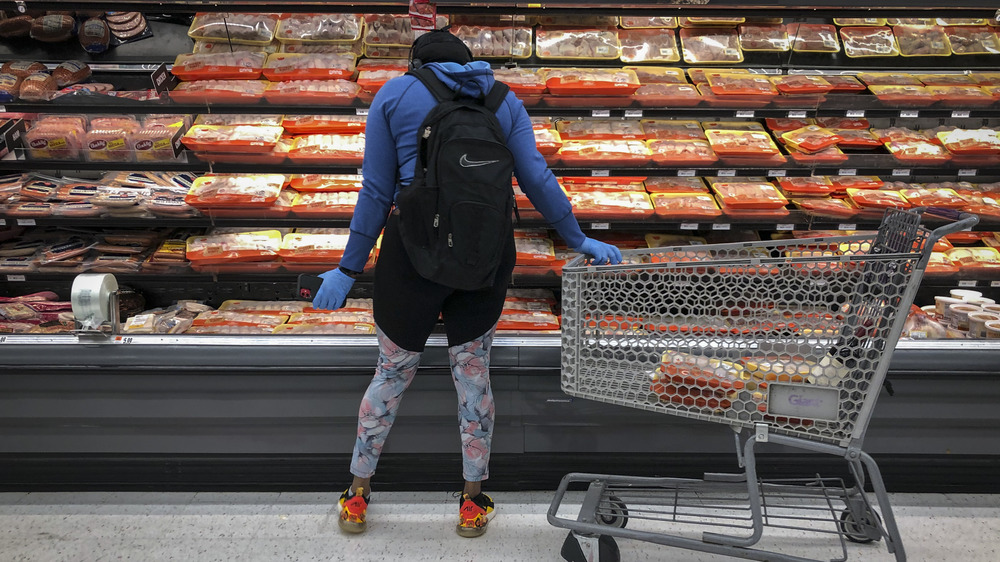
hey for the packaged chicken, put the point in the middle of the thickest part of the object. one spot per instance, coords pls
(357, 48)
(801, 84)
(600, 130)
(664, 129)
(609, 184)
(668, 95)
(371, 81)
(977, 141)
(590, 81)
(741, 101)
(808, 186)
(577, 43)
(811, 138)
(977, 40)
(316, 124)
(235, 190)
(889, 79)
(343, 150)
(781, 124)
(388, 30)
(548, 141)
(922, 197)
(676, 185)
(734, 125)
(247, 138)
(319, 28)
(219, 91)
(56, 137)
(859, 123)
(264, 307)
(534, 250)
(223, 46)
(648, 45)
(290, 66)
(522, 81)
(917, 152)
(528, 321)
(219, 66)
(942, 79)
(622, 205)
(827, 207)
(314, 248)
(842, 183)
(758, 37)
(749, 195)
(682, 152)
(313, 92)
(904, 96)
(253, 29)
(922, 41)
(741, 143)
(230, 119)
(495, 42)
(827, 156)
(962, 96)
(856, 138)
(710, 21)
(725, 83)
(711, 46)
(986, 78)
(325, 204)
(326, 182)
(658, 74)
(387, 53)
(577, 20)
(681, 206)
(604, 153)
(232, 155)
(643, 22)
(975, 258)
(813, 38)
(877, 198)
(242, 246)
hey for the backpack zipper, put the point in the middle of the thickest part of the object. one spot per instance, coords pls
(450, 244)
(436, 216)
(427, 132)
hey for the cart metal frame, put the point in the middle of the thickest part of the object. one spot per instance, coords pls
(787, 342)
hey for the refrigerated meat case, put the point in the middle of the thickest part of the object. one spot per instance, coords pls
(217, 412)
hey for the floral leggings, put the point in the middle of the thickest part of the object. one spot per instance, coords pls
(470, 369)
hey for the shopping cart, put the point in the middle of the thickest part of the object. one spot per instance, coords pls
(786, 341)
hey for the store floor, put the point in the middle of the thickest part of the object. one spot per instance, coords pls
(190, 527)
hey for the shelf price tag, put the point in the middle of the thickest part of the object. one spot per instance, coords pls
(909, 114)
(15, 278)
(600, 173)
(720, 226)
(3, 222)
(633, 113)
(600, 226)
(727, 173)
(847, 226)
(960, 114)
(360, 171)
(901, 171)
(994, 283)
(777, 173)
(784, 227)
(685, 173)
(689, 226)
(3, 109)
(25, 222)
(967, 172)
(855, 113)
(796, 114)
(163, 80)
(745, 113)
(361, 111)
(847, 172)
(967, 283)
(124, 340)
(600, 113)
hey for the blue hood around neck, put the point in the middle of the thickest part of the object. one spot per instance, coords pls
(473, 79)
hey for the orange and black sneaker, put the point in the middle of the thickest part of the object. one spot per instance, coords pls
(472, 514)
(353, 506)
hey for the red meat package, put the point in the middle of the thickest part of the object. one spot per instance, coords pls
(962, 96)
(658, 74)
(682, 152)
(585, 183)
(333, 92)
(813, 38)
(749, 195)
(845, 84)
(682, 206)
(904, 96)
(864, 41)
(727, 83)
(648, 45)
(219, 66)
(591, 81)
(764, 37)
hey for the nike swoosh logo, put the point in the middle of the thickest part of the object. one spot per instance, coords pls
(466, 163)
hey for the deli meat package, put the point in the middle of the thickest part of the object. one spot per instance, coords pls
(109, 139)
(56, 137)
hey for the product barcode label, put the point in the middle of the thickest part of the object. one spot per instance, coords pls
(727, 173)
(600, 173)
(777, 173)
(994, 283)
(25, 222)
(847, 172)
(796, 114)
(361, 111)
(960, 114)
(967, 283)
(689, 226)
(15, 278)
(901, 171)
(745, 113)
(967, 172)
(360, 171)
(855, 113)
(600, 113)
(600, 226)
(3, 222)
(685, 173)
(909, 114)
(784, 227)
(847, 226)
(633, 113)
(722, 226)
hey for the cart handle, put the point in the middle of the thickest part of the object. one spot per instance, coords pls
(962, 222)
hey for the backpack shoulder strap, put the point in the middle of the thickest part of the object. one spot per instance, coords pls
(494, 99)
(437, 88)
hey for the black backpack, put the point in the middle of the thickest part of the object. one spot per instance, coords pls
(455, 216)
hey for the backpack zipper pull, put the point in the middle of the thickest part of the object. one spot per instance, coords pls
(436, 220)
(450, 244)
(427, 132)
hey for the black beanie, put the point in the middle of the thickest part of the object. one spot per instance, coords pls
(440, 46)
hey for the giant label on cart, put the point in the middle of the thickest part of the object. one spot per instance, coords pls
(803, 401)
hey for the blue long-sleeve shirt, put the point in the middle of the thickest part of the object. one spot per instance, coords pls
(391, 152)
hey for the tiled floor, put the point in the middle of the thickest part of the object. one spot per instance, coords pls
(189, 527)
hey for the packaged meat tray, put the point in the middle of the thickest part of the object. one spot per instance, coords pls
(233, 190)
(280, 209)
(843, 123)
(534, 251)
(700, 75)
(313, 92)
(604, 153)
(223, 46)
(547, 141)
(616, 184)
(975, 258)
(916, 152)
(801, 84)
(662, 129)
(590, 82)
(780, 124)
(600, 130)
(811, 138)
(869, 42)
(900, 134)
(827, 207)
(856, 138)
(236, 247)
(577, 43)
(845, 84)
(357, 48)
(658, 74)
(964, 141)
(877, 198)
(277, 155)
(963, 21)
(290, 66)
(922, 41)
(682, 152)
(219, 66)
(522, 81)
(941, 79)
(111, 141)
(807, 186)
(675, 185)
(710, 21)
(342, 150)
(371, 81)
(734, 125)
(319, 28)
(643, 22)
(530, 321)
(251, 29)
(219, 91)
(889, 79)
(317, 124)
(876, 22)
(247, 138)
(749, 195)
(734, 101)
(725, 83)
(829, 155)
(648, 45)
(939, 264)
(313, 248)
(495, 41)
(395, 63)
(798, 101)
(668, 95)
(622, 206)
(842, 183)
(711, 46)
(904, 96)
(56, 137)
(755, 214)
(813, 38)
(759, 37)
(986, 78)
(218, 119)
(741, 143)
(962, 96)
(388, 30)
(922, 197)
(326, 182)
(681, 206)
(332, 205)
(976, 40)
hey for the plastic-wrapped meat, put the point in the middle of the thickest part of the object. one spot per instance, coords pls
(754, 37)
(254, 28)
(649, 45)
(388, 29)
(819, 38)
(921, 326)
(973, 40)
(319, 27)
(710, 45)
(869, 41)
(555, 43)
(486, 41)
(922, 41)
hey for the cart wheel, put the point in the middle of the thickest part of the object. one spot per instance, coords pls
(862, 531)
(617, 516)
(607, 549)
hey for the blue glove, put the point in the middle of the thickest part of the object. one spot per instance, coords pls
(333, 292)
(599, 252)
